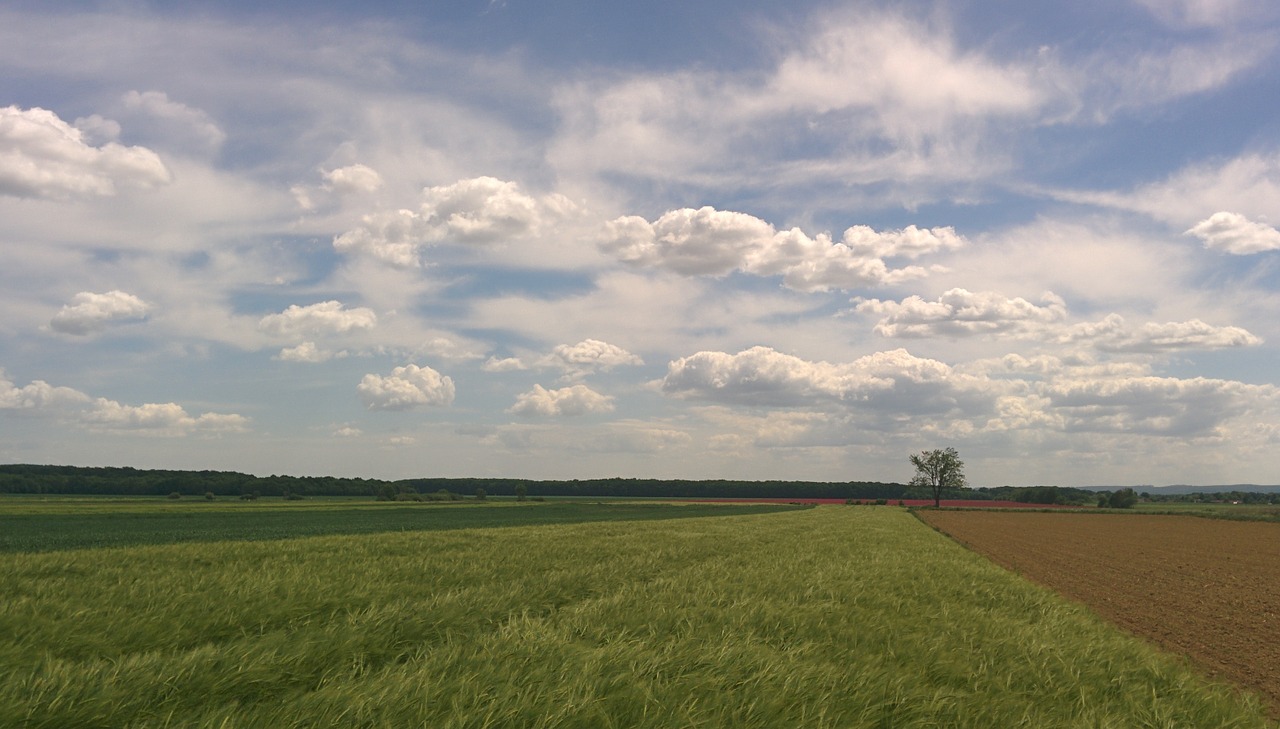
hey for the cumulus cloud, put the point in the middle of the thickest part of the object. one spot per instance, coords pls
(476, 211)
(37, 395)
(589, 355)
(566, 401)
(504, 364)
(41, 156)
(326, 317)
(1234, 233)
(90, 312)
(165, 419)
(961, 313)
(406, 387)
(894, 393)
(714, 242)
(308, 352)
(1161, 406)
(355, 178)
(1111, 334)
(888, 381)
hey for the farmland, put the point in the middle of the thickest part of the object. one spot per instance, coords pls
(831, 616)
(1206, 588)
(30, 524)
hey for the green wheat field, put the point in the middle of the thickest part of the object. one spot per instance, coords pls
(550, 615)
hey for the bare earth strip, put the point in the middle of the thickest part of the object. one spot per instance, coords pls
(1206, 588)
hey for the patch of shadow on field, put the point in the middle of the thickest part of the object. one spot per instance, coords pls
(1208, 589)
(51, 532)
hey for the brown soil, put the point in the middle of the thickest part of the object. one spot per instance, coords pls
(1206, 588)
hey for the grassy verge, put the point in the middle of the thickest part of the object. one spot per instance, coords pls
(826, 617)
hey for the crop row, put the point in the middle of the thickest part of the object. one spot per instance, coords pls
(825, 617)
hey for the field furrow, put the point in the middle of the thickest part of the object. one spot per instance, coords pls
(827, 617)
(1206, 588)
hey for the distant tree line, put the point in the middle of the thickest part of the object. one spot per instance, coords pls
(124, 481)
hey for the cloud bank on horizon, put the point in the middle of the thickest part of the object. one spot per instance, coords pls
(734, 240)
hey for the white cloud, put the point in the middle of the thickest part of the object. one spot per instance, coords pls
(1112, 335)
(326, 317)
(165, 419)
(873, 97)
(1162, 406)
(589, 354)
(712, 242)
(961, 313)
(566, 401)
(347, 431)
(1110, 82)
(90, 312)
(476, 211)
(1248, 185)
(98, 129)
(176, 124)
(308, 352)
(893, 381)
(451, 348)
(355, 178)
(407, 387)
(505, 364)
(37, 395)
(41, 156)
(1234, 233)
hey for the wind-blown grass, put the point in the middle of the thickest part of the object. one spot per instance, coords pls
(829, 617)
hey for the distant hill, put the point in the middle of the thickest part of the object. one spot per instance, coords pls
(1180, 489)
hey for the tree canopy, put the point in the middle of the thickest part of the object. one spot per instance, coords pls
(939, 470)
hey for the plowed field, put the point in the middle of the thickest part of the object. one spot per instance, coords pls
(1206, 588)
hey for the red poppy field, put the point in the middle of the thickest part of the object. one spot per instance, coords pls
(1208, 589)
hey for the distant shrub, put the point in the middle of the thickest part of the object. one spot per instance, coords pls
(481, 495)
(249, 496)
(901, 502)
(1122, 499)
(536, 498)
(408, 496)
(208, 496)
(175, 495)
(881, 502)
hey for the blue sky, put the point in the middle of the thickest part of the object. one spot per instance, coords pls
(695, 240)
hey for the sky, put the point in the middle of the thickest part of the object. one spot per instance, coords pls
(567, 239)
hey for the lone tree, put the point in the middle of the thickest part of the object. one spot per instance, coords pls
(939, 470)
